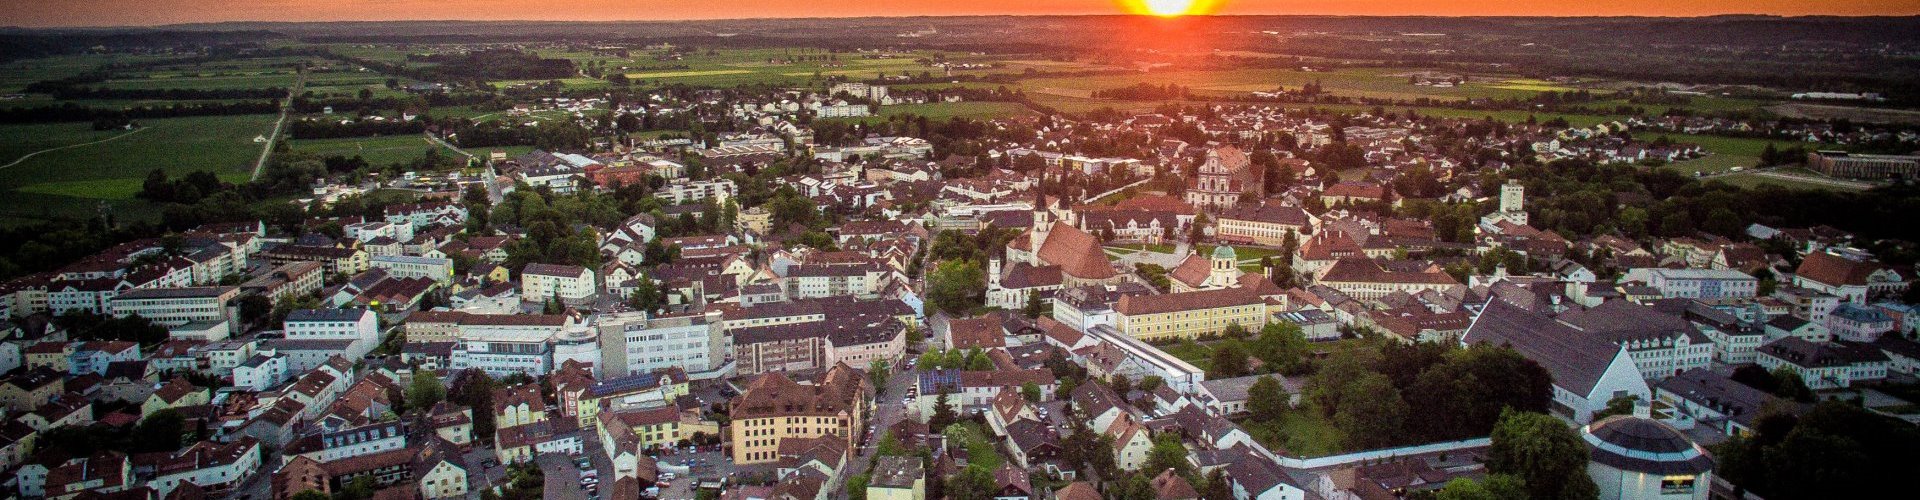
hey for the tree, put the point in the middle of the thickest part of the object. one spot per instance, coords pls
(1217, 486)
(943, 414)
(161, 431)
(877, 372)
(1167, 454)
(646, 295)
(1494, 487)
(956, 286)
(1619, 405)
(1031, 391)
(1267, 399)
(425, 390)
(1229, 361)
(972, 483)
(1790, 385)
(857, 487)
(1544, 453)
(1034, 308)
(311, 495)
(1371, 413)
(472, 388)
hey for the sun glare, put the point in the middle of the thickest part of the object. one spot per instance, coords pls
(1168, 8)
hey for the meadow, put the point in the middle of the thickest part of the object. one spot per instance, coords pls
(376, 150)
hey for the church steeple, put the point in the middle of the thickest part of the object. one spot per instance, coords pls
(1042, 220)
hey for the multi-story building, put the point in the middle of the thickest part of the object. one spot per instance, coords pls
(719, 190)
(1660, 344)
(1267, 224)
(1858, 323)
(180, 308)
(636, 342)
(1850, 278)
(811, 281)
(337, 260)
(1189, 315)
(1226, 174)
(1367, 279)
(358, 325)
(1703, 283)
(569, 284)
(438, 269)
(294, 279)
(1825, 365)
(775, 408)
(1588, 371)
(503, 344)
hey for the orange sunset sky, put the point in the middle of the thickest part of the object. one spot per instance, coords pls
(39, 13)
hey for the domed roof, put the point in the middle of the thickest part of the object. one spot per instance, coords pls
(1641, 445)
(1223, 252)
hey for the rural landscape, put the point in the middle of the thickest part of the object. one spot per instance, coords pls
(1158, 249)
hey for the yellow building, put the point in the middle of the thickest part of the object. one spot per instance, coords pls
(652, 428)
(897, 478)
(26, 391)
(1189, 315)
(659, 388)
(775, 407)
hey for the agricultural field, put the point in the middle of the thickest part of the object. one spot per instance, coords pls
(376, 150)
(1376, 83)
(946, 110)
(114, 169)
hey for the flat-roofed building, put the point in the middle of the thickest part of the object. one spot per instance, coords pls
(438, 269)
(180, 307)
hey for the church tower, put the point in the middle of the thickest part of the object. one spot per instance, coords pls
(1042, 221)
(1226, 267)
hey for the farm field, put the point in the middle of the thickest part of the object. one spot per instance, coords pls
(376, 150)
(1379, 83)
(221, 144)
(945, 110)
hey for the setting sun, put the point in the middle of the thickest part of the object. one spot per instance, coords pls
(1168, 8)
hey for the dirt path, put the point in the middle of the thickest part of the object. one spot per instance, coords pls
(286, 108)
(70, 146)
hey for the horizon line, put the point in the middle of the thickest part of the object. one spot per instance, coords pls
(960, 16)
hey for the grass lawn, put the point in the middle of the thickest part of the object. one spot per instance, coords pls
(221, 144)
(1200, 355)
(979, 449)
(1301, 433)
(1713, 164)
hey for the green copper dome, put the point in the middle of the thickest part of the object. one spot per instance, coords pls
(1223, 252)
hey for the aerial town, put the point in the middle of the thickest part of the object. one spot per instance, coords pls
(788, 291)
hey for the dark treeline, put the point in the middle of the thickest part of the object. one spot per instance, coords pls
(308, 103)
(322, 129)
(70, 112)
(68, 92)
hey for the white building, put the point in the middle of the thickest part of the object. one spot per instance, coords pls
(1702, 283)
(633, 343)
(503, 344)
(720, 190)
(261, 372)
(1635, 458)
(181, 308)
(1588, 371)
(355, 323)
(570, 284)
(215, 467)
(438, 269)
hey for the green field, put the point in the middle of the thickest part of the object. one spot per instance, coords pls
(1301, 433)
(222, 144)
(376, 150)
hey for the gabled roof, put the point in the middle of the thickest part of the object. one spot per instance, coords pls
(1834, 270)
(1077, 253)
(1576, 359)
